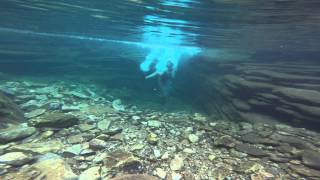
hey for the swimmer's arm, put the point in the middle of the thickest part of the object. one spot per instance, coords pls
(152, 75)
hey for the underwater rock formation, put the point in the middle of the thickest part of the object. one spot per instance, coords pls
(277, 90)
(258, 91)
(9, 111)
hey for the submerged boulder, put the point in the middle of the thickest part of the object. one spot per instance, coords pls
(9, 111)
(54, 120)
(49, 166)
(15, 158)
(15, 132)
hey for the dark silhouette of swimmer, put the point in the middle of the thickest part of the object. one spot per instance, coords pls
(164, 78)
(165, 81)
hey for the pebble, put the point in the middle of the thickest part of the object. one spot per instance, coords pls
(177, 163)
(97, 144)
(211, 157)
(157, 153)
(152, 138)
(189, 151)
(176, 176)
(193, 138)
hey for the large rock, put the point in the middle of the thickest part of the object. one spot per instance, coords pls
(311, 158)
(251, 150)
(9, 111)
(299, 95)
(54, 120)
(15, 132)
(39, 147)
(15, 158)
(49, 167)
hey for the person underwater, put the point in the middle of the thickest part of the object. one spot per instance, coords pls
(164, 77)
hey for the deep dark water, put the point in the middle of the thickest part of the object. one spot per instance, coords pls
(244, 101)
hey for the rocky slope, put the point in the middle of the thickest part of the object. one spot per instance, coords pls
(87, 136)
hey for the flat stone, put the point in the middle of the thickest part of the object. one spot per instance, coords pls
(135, 177)
(35, 113)
(16, 132)
(113, 131)
(86, 127)
(97, 144)
(15, 158)
(73, 150)
(311, 158)
(104, 124)
(251, 150)
(224, 141)
(54, 120)
(123, 161)
(66, 108)
(39, 147)
(193, 138)
(75, 139)
(92, 173)
(305, 171)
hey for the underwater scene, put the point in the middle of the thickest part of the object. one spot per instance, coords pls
(159, 89)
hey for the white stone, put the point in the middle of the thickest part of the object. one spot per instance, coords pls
(177, 163)
(165, 155)
(211, 157)
(176, 176)
(160, 173)
(188, 151)
(157, 153)
(193, 138)
(136, 118)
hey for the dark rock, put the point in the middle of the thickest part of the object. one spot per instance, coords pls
(304, 171)
(241, 105)
(113, 131)
(254, 138)
(54, 120)
(133, 167)
(286, 148)
(16, 132)
(251, 150)
(279, 159)
(299, 95)
(294, 141)
(224, 141)
(9, 111)
(311, 158)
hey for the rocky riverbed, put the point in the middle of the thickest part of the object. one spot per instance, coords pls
(69, 131)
